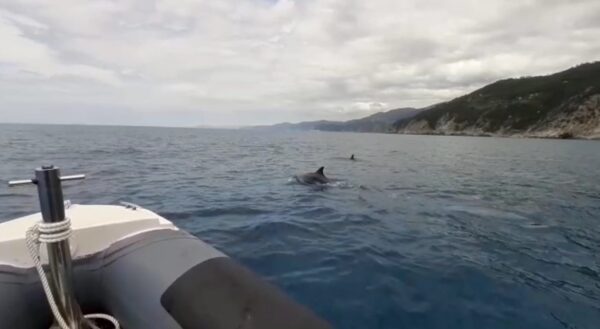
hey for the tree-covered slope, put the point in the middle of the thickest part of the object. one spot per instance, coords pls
(558, 105)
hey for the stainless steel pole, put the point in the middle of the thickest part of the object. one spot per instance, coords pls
(59, 253)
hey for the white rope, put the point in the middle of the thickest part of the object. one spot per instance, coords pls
(106, 317)
(52, 233)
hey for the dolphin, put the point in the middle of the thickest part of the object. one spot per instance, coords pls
(311, 178)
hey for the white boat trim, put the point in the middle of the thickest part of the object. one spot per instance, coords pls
(95, 228)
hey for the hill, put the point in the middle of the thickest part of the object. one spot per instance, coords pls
(306, 125)
(378, 122)
(565, 104)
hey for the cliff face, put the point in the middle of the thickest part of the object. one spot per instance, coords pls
(562, 105)
(579, 118)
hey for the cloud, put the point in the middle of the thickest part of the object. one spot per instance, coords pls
(232, 62)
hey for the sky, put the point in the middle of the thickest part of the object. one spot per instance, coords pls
(247, 62)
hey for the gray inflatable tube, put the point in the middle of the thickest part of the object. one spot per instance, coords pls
(163, 279)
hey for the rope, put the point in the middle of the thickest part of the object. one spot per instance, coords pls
(106, 317)
(51, 233)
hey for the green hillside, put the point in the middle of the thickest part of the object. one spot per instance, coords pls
(514, 105)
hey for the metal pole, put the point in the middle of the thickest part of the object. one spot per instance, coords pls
(59, 254)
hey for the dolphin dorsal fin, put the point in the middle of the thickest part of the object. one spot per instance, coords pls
(320, 171)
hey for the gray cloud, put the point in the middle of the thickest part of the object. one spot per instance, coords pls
(168, 62)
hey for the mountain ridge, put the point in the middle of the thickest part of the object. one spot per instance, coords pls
(376, 122)
(558, 105)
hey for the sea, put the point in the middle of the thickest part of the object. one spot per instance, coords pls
(417, 232)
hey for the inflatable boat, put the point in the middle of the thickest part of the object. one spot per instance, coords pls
(134, 266)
